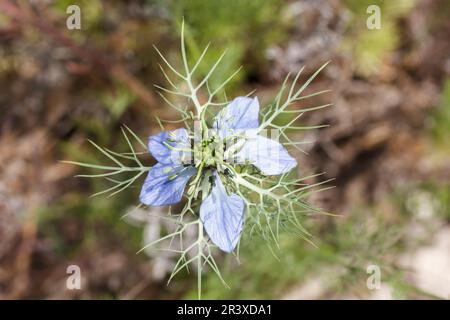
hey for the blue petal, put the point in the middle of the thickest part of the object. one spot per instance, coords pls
(222, 216)
(177, 138)
(268, 155)
(165, 184)
(241, 114)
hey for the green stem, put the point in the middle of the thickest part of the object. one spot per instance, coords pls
(239, 180)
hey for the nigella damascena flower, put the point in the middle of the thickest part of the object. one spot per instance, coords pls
(233, 140)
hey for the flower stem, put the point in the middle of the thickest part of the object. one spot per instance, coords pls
(241, 181)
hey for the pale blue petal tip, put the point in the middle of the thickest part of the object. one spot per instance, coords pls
(222, 216)
(268, 155)
(242, 113)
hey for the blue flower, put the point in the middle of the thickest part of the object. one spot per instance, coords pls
(221, 212)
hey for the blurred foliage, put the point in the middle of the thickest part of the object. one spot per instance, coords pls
(442, 194)
(346, 246)
(99, 218)
(251, 26)
(440, 119)
(117, 101)
(439, 196)
(94, 213)
(371, 47)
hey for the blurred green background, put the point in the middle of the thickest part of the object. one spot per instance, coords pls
(387, 146)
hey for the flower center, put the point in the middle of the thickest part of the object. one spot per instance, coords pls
(210, 152)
